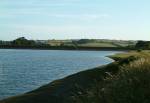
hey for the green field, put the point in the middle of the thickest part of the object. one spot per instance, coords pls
(92, 43)
(97, 45)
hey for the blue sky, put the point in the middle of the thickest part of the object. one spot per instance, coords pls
(73, 19)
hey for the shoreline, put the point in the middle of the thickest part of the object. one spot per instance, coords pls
(89, 69)
(67, 48)
(57, 91)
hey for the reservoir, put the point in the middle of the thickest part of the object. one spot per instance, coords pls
(25, 70)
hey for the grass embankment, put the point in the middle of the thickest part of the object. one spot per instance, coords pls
(124, 81)
(139, 54)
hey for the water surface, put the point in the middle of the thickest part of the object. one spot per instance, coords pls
(24, 70)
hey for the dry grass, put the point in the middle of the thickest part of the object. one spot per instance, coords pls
(130, 85)
(120, 56)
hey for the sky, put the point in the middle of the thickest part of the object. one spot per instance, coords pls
(75, 19)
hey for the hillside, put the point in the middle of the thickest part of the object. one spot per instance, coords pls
(92, 43)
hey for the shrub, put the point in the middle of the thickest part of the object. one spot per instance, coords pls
(139, 50)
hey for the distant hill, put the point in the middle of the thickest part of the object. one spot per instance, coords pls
(22, 42)
(92, 43)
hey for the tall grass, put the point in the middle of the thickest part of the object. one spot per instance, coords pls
(130, 85)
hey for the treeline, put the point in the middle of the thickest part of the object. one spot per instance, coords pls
(22, 42)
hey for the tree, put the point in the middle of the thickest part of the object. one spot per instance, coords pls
(22, 41)
(143, 44)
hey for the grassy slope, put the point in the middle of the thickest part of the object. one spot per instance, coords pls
(72, 88)
(121, 56)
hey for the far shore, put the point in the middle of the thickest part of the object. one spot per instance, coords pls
(68, 48)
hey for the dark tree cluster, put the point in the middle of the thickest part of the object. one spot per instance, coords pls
(22, 41)
(83, 41)
(143, 44)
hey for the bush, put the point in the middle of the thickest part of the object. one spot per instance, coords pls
(139, 50)
(128, 60)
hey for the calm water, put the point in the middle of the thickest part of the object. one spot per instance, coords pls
(25, 70)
